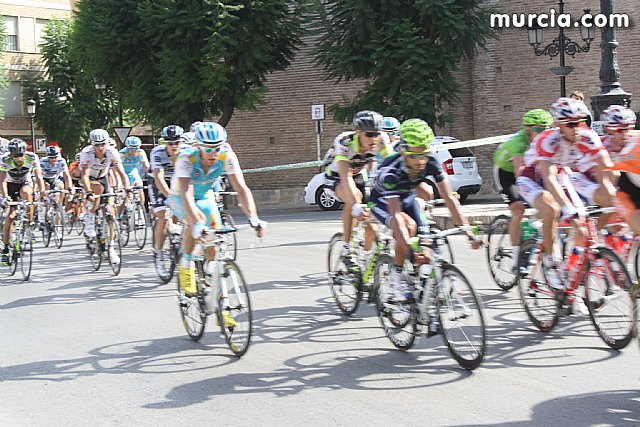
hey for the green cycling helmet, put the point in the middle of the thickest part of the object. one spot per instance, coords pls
(416, 133)
(538, 117)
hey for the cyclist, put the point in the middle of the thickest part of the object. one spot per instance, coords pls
(572, 145)
(55, 170)
(95, 161)
(352, 152)
(162, 165)
(391, 126)
(402, 177)
(132, 155)
(16, 168)
(507, 160)
(191, 199)
(623, 144)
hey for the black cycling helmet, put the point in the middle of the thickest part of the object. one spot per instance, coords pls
(17, 147)
(172, 132)
(52, 151)
(367, 121)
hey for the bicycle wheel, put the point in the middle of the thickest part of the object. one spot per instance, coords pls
(114, 250)
(499, 253)
(95, 252)
(234, 312)
(608, 298)
(125, 228)
(194, 317)
(45, 226)
(14, 253)
(167, 255)
(538, 298)
(346, 287)
(26, 252)
(69, 222)
(58, 225)
(79, 226)
(398, 319)
(231, 238)
(447, 251)
(635, 295)
(461, 318)
(140, 226)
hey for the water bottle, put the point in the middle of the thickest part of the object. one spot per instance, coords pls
(528, 230)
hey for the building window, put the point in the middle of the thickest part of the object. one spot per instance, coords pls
(11, 100)
(11, 33)
(40, 24)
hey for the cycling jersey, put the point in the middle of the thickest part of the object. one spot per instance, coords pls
(188, 165)
(98, 168)
(55, 170)
(393, 177)
(346, 147)
(516, 146)
(160, 160)
(21, 173)
(131, 160)
(550, 145)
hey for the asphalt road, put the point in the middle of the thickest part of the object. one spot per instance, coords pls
(80, 347)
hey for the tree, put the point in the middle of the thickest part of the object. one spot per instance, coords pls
(406, 50)
(68, 104)
(177, 61)
(3, 71)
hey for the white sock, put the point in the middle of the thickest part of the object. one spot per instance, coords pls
(515, 251)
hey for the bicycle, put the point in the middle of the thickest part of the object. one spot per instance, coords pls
(444, 302)
(348, 287)
(100, 245)
(229, 222)
(221, 289)
(72, 210)
(600, 275)
(21, 240)
(170, 248)
(134, 217)
(53, 216)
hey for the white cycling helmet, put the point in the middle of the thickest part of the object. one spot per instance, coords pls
(99, 136)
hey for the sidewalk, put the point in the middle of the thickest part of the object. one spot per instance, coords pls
(478, 208)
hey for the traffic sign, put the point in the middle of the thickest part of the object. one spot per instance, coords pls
(598, 127)
(122, 133)
(41, 144)
(317, 112)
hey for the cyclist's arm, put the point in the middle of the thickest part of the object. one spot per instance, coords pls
(3, 183)
(84, 178)
(39, 180)
(122, 174)
(145, 162)
(550, 179)
(346, 176)
(245, 197)
(158, 179)
(188, 201)
(424, 191)
(606, 177)
(66, 176)
(517, 162)
(452, 203)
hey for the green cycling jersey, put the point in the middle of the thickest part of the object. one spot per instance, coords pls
(514, 147)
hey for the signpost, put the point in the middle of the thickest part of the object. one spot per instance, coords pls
(121, 133)
(317, 114)
(598, 127)
(41, 144)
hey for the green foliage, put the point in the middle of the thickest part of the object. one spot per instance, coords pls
(68, 104)
(177, 61)
(406, 50)
(3, 71)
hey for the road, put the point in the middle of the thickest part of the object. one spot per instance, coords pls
(85, 348)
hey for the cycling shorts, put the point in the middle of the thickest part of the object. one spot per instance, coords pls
(207, 205)
(380, 209)
(156, 198)
(332, 182)
(508, 187)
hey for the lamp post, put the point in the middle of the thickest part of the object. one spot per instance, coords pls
(561, 46)
(31, 112)
(611, 92)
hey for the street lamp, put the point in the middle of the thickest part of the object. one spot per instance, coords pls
(561, 45)
(31, 111)
(611, 92)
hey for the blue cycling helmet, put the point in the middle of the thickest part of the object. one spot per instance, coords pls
(172, 132)
(133, 142)
(210, 133)
(391, 125)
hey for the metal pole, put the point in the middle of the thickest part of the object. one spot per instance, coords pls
(563, 79)
(33, 134)
(120, 110)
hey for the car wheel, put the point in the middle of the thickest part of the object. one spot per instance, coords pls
(463, 197)
(325, 200)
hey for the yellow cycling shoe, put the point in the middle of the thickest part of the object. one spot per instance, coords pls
(187, 280)
(229, 321)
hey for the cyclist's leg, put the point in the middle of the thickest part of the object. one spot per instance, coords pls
(548, 209)
(26, 194)
(208, 207)
(160, 212)
(342, 189)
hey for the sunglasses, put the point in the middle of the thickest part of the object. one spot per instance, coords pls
(133, 148)
(573, 125)
(172, 143)
(15, 156)
(539, 128)
(372, 134)
(100, 145)
(211, 150)
(416, 155)
(617, 130)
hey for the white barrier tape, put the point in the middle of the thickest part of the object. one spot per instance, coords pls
(281, 167)
(472, 143)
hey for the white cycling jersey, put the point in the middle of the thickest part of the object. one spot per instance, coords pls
(98, 167)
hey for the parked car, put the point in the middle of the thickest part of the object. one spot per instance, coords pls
(459, 164)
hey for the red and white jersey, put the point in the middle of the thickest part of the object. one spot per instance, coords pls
(579, 156)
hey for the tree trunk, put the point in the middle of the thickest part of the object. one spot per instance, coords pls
(228, 108)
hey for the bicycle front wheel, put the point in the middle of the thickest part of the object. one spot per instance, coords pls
(194, 317)
(499, 253)
(608, 298)
(399, 320)
(538, 298)
(140, 226)
(346, 286)
(26, 252)
(125, 228)
(58, 225)
(114, 250)
(45, 226)
(461, 318)
(234, 309)
(14, 253)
